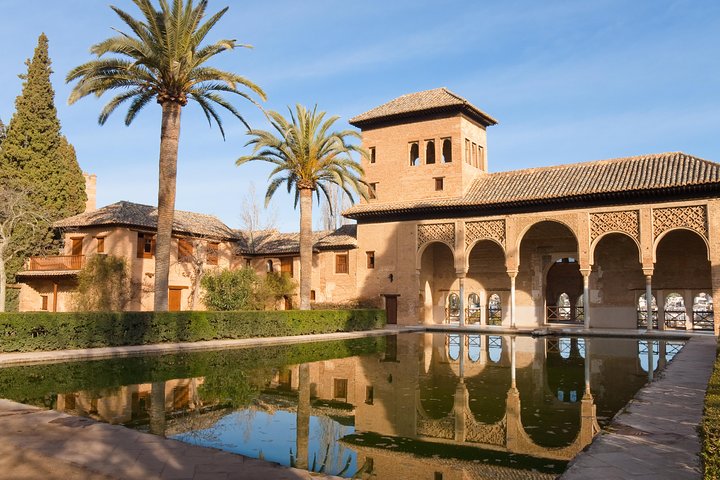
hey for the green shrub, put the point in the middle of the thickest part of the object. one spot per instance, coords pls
(710, 427)
(22, 332)
(231, 290)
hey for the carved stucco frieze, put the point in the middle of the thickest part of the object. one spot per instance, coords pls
(434, 232)
(490, 229)
(627, 221)
(693, 218)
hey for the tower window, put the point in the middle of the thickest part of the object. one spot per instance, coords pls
(474, 155)
(372, 154)
(370, 259)
(372, 191)
(341, 263)
(414, 154)
(439, 184)
(467, 151)
(481, 157)
(430, 152)
(446, 150)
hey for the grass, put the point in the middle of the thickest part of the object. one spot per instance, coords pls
(710, 426)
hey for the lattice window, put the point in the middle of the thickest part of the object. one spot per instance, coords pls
(627, 222)
(693, 218)
(492, 229)
(443, 232)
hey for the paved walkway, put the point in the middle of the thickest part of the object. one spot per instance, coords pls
(655, 436)
(41, 444)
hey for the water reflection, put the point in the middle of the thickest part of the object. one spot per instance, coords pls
(417, 406)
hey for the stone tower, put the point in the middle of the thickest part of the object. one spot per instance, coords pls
(423, 145)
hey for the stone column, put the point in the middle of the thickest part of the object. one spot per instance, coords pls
(483, 307)
(461, 317)
(512, 362)
(648, 297)
(715, 269)
(651, 359)
(660, 300)
(513, 313)
(586, 296)
(688, 298)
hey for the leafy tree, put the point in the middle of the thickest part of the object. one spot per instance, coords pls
(162, 58)
(38, 159)
(231, 290)
(308, 158)
(274, 287)
(103, 285)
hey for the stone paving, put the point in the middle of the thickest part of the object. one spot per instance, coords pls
(41, 444)
(655, 436)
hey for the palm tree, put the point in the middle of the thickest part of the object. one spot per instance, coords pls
(163, 59)
(308, 158)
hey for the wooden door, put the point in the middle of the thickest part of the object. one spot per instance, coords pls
(391, 309)
(174, 296)
(76, 247)
(286, 265)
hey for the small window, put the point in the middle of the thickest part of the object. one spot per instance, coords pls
(474, 155)
(44, 305)
(185, 248)
(248, 264)
(438, 476)
(372, 191)
(447, 151)
(212, 253)
(340, 389)
(145, 245)
(341, 263)
(481, 157)
(312, 295)
(414, 154)
(269, 266)
(370, 259)
(439, 184)
(100, 244)
(430, 152)
(467, 151)
(286, 266)
(369, 395)
(372, 154)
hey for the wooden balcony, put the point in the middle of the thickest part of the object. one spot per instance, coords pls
(55, 263)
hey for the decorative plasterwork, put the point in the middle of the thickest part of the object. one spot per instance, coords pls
(627, 221)
(486, 229)
(693, 218)
(434, 232)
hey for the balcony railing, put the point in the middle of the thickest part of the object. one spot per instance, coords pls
(556, 314)
(59, 262)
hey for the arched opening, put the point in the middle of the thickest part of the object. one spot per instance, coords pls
(269, 266)
(437, 281)
(616, 279)
(642, 311)
(414, 154)
(453, 346)
(453, 306)
(564, 286)
(474, 309)
(487, 273)
(430, 152)
(446, 151)
(703, 318)
(675, 311)
(495, 348)
(494, 310)
(474, 347)
(682, 266)
(548, 250)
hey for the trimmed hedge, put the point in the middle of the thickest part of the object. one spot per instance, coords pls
(710, 426)
(24, 332)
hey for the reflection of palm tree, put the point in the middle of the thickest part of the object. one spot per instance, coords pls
(157, 408)
(303, 416)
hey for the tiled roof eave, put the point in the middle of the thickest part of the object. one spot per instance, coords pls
(490, 208)
(149, 228)
(390, 118)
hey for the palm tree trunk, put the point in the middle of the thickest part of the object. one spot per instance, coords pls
(305, 247)
(303, 417)
(169, 137)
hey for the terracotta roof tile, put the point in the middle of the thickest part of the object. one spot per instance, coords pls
(145, 216)
(272, 242)
(618, 176)
(438, 99)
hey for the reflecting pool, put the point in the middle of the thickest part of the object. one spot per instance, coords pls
(425, 406)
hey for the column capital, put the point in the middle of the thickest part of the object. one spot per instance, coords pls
(512, 273)
(586, 271)
(648, 271)
(460, 273)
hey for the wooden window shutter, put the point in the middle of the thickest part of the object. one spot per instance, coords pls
(141, 245)
(185, 248)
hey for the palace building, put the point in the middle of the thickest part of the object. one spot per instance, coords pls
(441, 239)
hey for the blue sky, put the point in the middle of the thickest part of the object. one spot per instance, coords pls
(569, 81)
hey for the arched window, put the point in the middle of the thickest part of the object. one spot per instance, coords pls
(474, 348)
(494, 310)
(563, 304)
(430, 152)
(446, 151)
(453, 345)
(579, 310)
(494, 348)
(453, 305)
(703, 317)
(414, 154)
(642, 313)
(269, 266)
(473, 306)
(674, 311)
(643, 354)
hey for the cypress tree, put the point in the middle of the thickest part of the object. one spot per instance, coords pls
(37, 157)
(2, 132)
